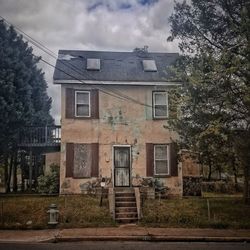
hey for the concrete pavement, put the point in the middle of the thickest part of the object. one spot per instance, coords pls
(125, 233)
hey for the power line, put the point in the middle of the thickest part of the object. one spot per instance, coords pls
(75, 77)
(71, 66)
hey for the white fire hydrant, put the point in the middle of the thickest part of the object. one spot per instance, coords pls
(53, 214)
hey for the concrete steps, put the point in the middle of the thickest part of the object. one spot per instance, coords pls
(125, 206)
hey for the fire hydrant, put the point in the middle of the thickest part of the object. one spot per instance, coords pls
(53, 214)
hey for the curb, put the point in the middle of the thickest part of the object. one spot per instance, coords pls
(148, 238)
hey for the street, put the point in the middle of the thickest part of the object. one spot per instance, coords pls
(109, 245)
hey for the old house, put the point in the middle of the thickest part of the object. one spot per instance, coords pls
(114, 106)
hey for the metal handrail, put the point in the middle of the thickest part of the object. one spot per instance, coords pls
(35, 135)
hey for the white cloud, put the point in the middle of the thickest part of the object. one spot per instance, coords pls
(93, 25)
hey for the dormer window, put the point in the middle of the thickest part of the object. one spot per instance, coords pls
(149, 66)
(93, 64)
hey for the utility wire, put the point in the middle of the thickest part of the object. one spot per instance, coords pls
(45, 49)
(77, 78)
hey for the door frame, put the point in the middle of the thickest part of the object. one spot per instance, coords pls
(113, 165)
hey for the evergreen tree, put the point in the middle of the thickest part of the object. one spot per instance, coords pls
(23, 93)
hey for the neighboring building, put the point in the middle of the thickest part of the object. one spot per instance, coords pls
(114, 108)
(51, 158)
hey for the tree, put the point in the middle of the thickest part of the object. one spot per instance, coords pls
(23, 97)
(214, 38)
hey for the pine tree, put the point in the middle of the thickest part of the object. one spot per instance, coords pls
(23, 93)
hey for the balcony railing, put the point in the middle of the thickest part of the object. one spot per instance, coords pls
(40, 136)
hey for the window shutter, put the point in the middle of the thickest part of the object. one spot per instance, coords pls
(69, 159)
(150, 159)
(95, 160)
(94, 104)
(173, 159)
(172, 106)
(70, 103)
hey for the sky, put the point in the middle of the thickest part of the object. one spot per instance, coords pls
(114, 25)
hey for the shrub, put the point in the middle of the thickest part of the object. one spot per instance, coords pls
(219, 187)
(49, 184)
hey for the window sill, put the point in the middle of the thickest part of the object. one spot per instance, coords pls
(86, 177)
(162, 176)
(83, 118)
(160, 118)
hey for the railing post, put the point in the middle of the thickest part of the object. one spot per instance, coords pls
(46, 134)
(30, 170)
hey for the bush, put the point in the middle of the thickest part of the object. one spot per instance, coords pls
(49, 184)
(220, 187)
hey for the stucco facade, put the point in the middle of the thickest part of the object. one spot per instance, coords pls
(121, 122)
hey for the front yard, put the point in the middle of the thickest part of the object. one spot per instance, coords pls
(223, 212)
(29, 212)
(26, 212)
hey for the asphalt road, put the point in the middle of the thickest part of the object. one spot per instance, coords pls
(106, 245)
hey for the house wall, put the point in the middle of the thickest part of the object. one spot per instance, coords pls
(190, 164)
(51, 158)
(121, 122)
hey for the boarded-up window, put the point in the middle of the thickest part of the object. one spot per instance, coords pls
(82, 160)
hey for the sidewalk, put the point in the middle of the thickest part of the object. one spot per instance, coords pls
(125, 233)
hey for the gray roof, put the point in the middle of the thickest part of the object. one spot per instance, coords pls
(115, 66)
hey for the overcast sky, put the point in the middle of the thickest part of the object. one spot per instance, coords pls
(117, 25)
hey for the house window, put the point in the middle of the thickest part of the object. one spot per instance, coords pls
(160, 104)
(82, 104)
(161, 159)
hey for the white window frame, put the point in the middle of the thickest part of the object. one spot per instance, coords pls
(166, 94)
(80, 91)
(166, 159)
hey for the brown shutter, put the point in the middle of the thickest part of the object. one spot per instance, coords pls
(173, 159)
(95, 160)
(69, 159)
(70, 103)
(172, 105)
(94, 104)
(150, 159)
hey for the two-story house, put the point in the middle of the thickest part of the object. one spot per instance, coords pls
(114, 110)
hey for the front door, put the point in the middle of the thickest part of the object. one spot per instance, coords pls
(122, 166)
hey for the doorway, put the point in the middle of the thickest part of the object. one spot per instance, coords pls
(122, 166)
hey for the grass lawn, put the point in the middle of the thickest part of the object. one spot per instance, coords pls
(75, 211)
(225, 212)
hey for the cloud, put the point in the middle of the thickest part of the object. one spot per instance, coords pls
(118, 25)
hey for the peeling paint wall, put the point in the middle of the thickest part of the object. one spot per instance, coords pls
(121, 122)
